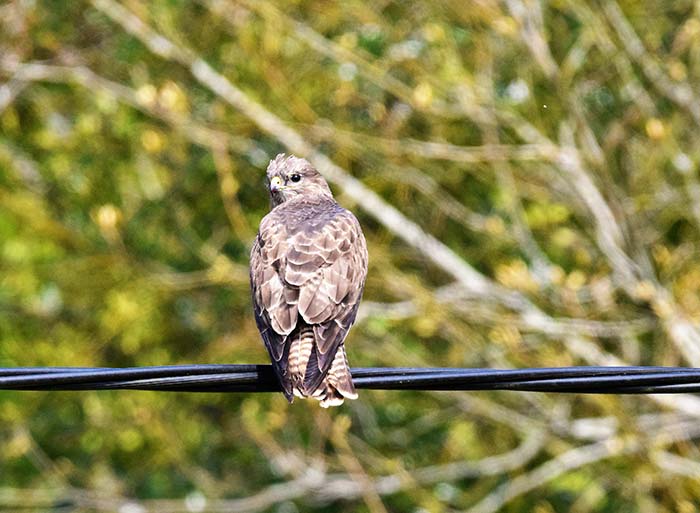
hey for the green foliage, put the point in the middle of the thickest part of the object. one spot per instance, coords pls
(563, 168)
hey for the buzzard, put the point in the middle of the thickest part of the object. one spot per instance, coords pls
(307, 273)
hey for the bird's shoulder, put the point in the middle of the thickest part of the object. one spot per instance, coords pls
(306, 214)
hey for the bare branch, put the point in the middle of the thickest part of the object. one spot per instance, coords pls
(669, 462)
(529, 15)
(324, 46)
(440, 150)
(371, 202)
(343, 488)
(577, 458)
(456, 298)
(608, 232)
(313, 486)
(610, 239)
(678, 92)
(198, 133)
(9, 91)
(570, 460)
(444, 201)
(26, 168)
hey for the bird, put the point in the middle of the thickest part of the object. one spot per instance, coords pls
(308, 267)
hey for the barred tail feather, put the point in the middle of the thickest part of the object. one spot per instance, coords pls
(300, 351)
(337, 384)
(305, 377)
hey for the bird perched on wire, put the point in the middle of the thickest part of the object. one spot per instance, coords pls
(307, 272)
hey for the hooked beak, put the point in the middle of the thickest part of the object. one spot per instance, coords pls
(276, 184)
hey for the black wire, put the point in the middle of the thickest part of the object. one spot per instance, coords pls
(260, 378)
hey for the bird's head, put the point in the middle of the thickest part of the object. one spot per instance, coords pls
(290, 177)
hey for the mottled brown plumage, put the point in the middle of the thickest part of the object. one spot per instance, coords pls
(307, 273)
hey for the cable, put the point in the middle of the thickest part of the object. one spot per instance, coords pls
(260, 378)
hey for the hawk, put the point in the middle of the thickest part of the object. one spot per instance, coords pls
(307, 272)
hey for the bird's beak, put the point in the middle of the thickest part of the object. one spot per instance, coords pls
(275, 184)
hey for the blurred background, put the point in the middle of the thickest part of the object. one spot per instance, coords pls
(526, 174)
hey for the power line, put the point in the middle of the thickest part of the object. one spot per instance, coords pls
(260, 378)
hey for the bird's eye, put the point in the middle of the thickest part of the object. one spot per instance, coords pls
(296, 177)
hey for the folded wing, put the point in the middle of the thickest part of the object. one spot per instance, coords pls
(312, 275)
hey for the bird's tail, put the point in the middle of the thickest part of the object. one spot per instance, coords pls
(303, 371)
(337, 384)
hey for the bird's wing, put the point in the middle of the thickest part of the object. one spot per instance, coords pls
(274, 303)
(329, 266)
(317, 274)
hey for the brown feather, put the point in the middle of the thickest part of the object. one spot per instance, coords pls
(307, 273)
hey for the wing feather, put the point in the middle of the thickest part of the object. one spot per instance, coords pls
(333, 307)
(274, 303)
(316, 274)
